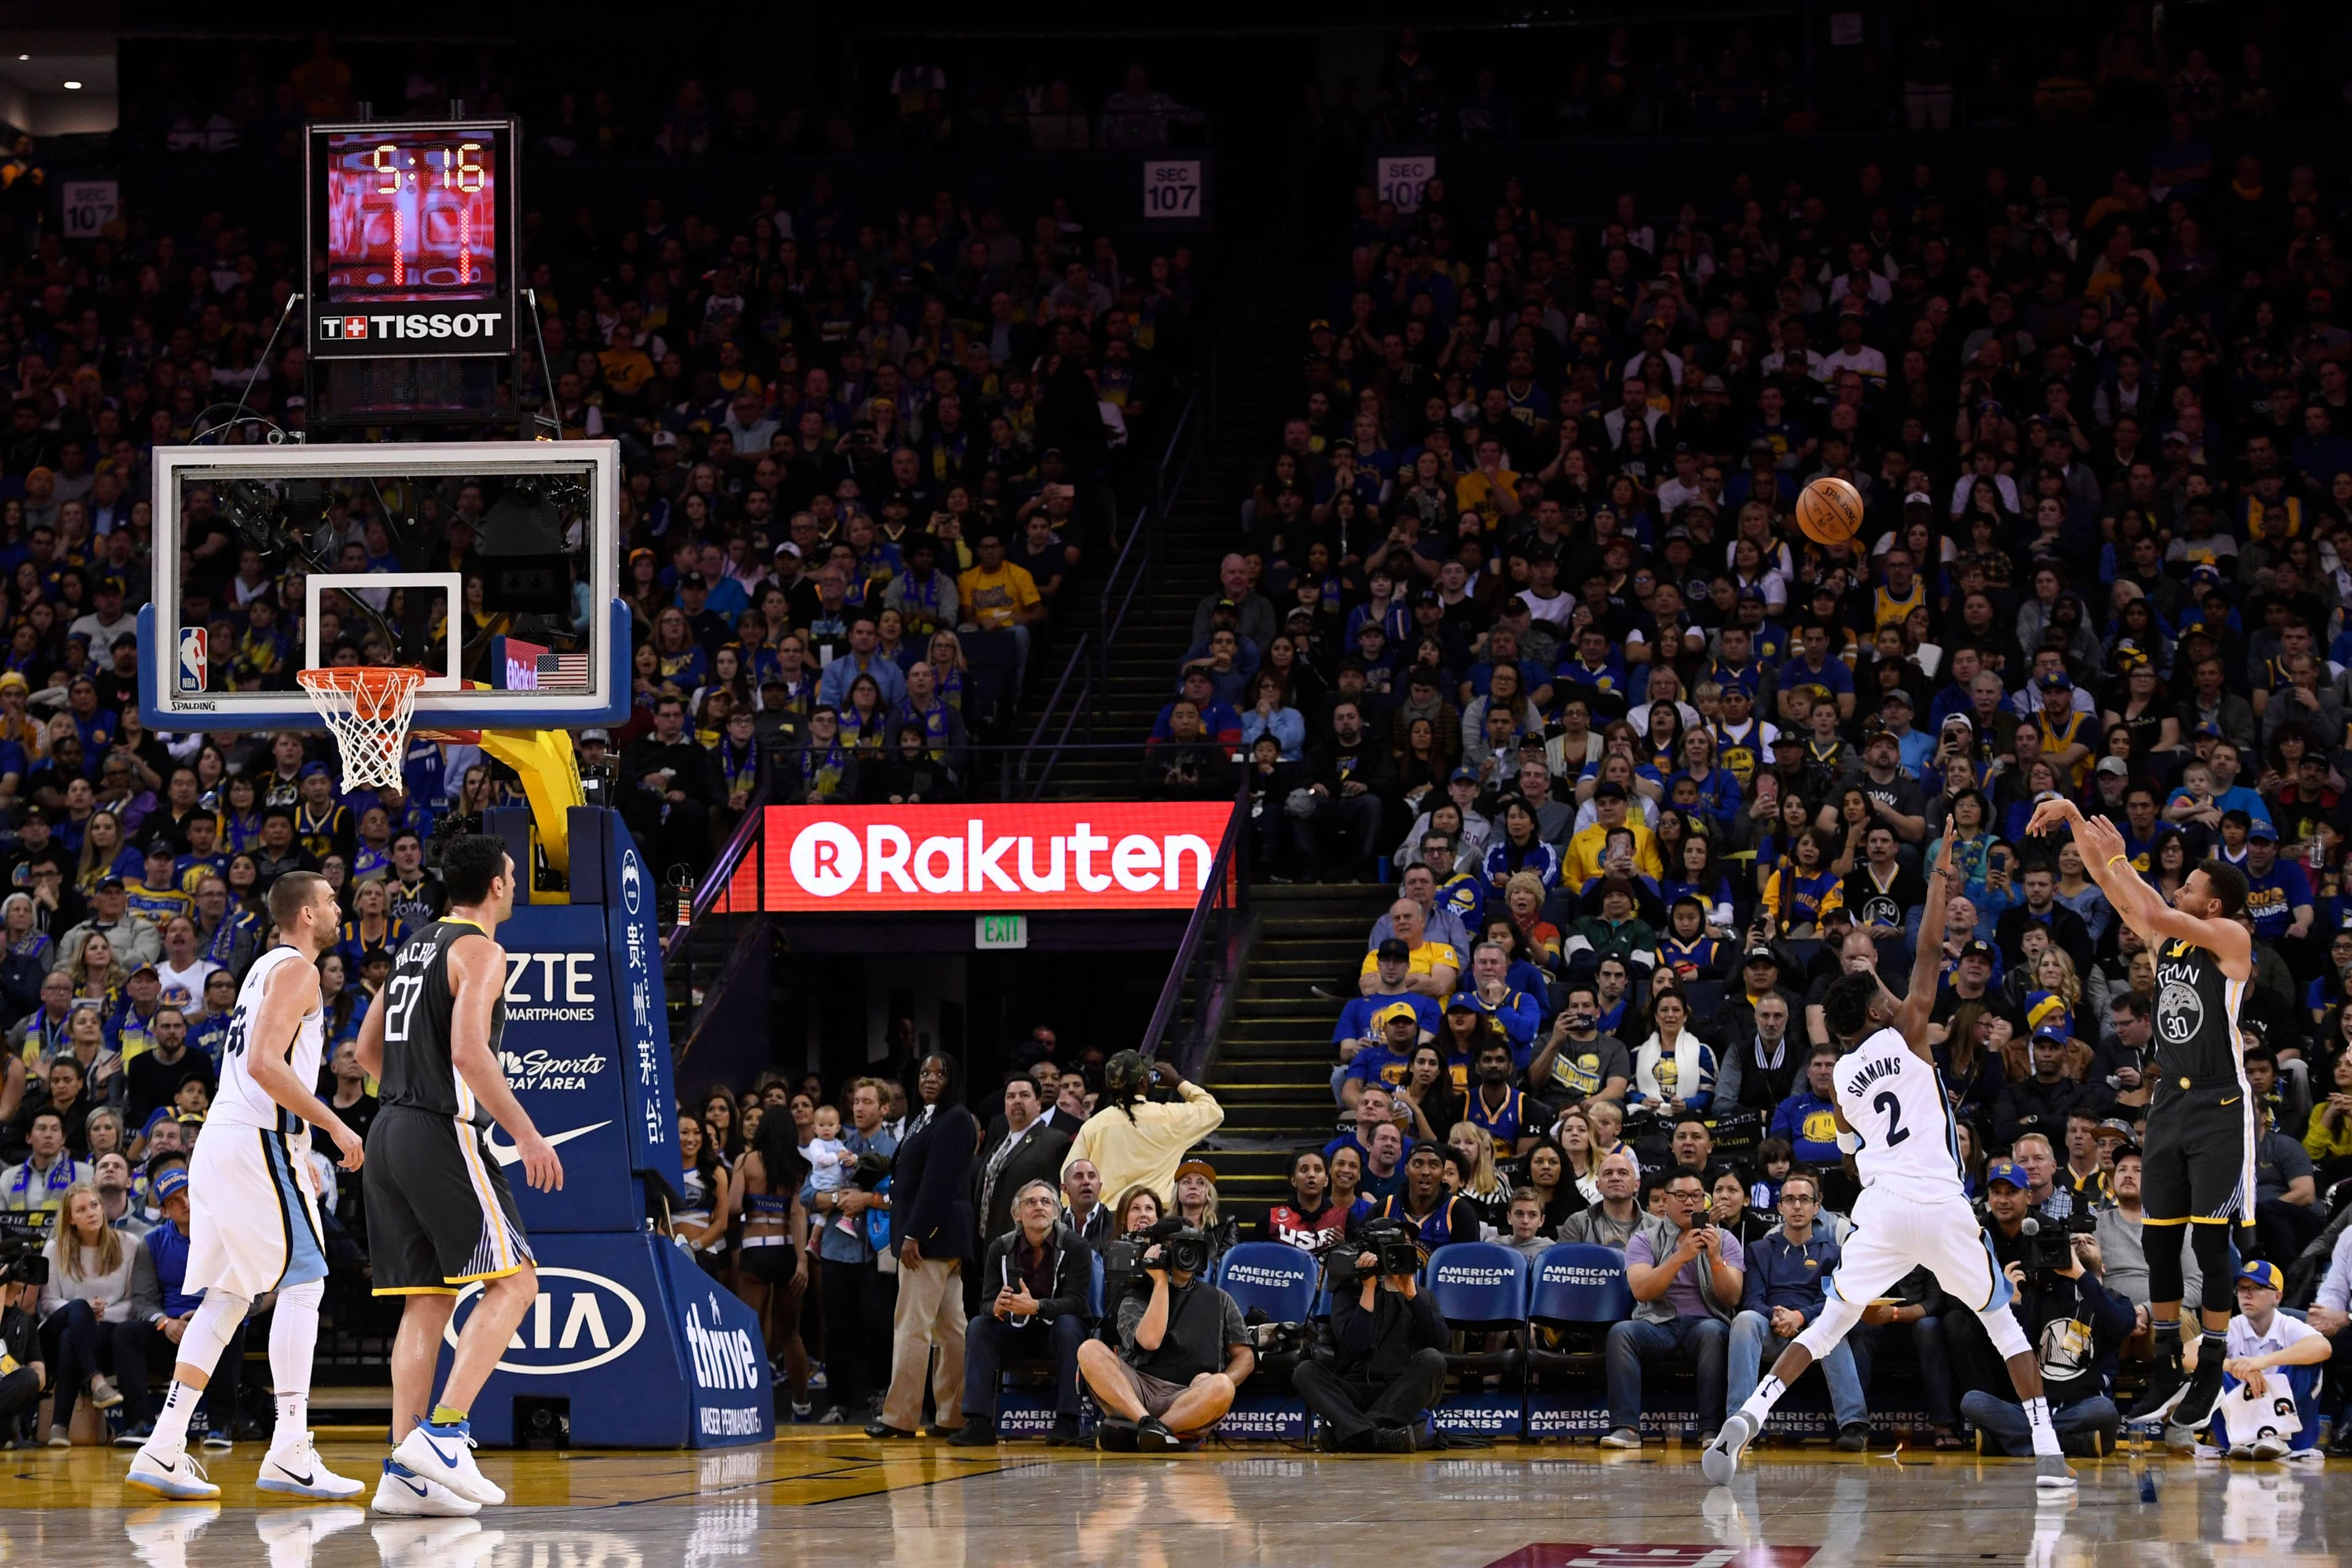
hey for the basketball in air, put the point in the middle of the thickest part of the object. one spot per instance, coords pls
(1830, 512)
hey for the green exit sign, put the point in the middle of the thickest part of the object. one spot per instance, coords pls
(1000, 931)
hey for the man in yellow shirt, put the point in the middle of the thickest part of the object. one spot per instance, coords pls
(1490, 490)
(1136, 1140)
(999, 596)
(1431, 967)
(1586, 850)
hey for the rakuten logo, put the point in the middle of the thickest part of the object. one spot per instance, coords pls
(1001, 859)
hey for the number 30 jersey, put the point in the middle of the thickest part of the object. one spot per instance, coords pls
(418, 1070)
(1896, 1101)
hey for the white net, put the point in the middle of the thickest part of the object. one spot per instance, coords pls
(368, 709)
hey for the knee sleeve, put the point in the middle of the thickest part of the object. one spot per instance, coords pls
(2166, 1281)
(2000, 1327)
(2219, 1286)
(1823, 1335)
(294, 1335)
(218, 1317)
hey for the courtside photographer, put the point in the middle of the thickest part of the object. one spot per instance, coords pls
(2074, 1323)
(1183, 1350)
(1390, 1341)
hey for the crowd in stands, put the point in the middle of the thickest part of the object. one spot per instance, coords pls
(863, 451)
(1923, 65)
(196, 102)
(1517, 619)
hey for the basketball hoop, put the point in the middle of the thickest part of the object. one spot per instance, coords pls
(368, 708)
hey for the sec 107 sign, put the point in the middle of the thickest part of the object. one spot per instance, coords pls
(1172, 188)
(88, 206)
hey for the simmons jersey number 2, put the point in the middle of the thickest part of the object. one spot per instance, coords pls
(1896, 1102)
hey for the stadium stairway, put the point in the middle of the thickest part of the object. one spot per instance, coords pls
(1205, 522)
(1272, 1067)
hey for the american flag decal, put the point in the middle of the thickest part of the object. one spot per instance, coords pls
(562, 672)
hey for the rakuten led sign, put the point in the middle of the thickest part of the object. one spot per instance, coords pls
(1084, 856)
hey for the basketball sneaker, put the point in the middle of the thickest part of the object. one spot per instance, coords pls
(404, 1493)
(297, 1470)
(445, 1453)
(1720, 1460)
(170, 1472)
(2052, 1473)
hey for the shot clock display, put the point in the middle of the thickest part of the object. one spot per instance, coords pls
(413, 225)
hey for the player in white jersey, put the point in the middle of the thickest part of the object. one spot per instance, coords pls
(1895, 1119)
(253, 1217)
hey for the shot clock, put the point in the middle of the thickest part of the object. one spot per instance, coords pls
(412, 231)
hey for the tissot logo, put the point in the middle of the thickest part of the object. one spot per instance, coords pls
(579, 1320)
(411, 326)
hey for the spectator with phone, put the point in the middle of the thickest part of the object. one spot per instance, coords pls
(1687, 1279)
(1136, 1139)
(1034, 1283)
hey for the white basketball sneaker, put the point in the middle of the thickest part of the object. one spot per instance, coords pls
(445, 1454)
(170, 1472)
(296, 1470)
(404, 1493)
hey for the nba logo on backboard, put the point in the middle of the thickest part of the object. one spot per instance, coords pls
(195, 662)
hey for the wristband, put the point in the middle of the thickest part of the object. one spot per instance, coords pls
(2117, 859)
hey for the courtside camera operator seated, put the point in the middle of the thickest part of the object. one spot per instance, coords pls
(2074, 1323)
(1392, 1345)
(1183, 1350)
(1034, 1287)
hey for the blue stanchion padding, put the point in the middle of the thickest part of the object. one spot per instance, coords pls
(1479, 1282)
(1577, 1283)
(645, 1350)
(1277, 1279)
(587, 1044)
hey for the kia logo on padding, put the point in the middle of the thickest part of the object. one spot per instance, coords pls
(579, 1320)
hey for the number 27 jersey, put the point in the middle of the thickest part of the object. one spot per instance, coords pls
(1896, 1102)
(419, 1070)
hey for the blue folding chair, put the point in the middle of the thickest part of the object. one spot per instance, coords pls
(1267, 1274)
(1576, 1290)
(1277, 1284)
(1480, 1288)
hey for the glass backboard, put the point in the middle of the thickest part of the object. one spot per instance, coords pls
(493, 565)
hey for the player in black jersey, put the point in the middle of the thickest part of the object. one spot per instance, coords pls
(440, 1216)
(2198, 1166)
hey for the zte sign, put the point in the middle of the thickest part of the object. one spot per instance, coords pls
(1099, 856)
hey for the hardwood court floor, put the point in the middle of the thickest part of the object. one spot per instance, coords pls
(831, 1497)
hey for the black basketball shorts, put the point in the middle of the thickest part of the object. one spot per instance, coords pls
(2198, 1165)
(440, 1216)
